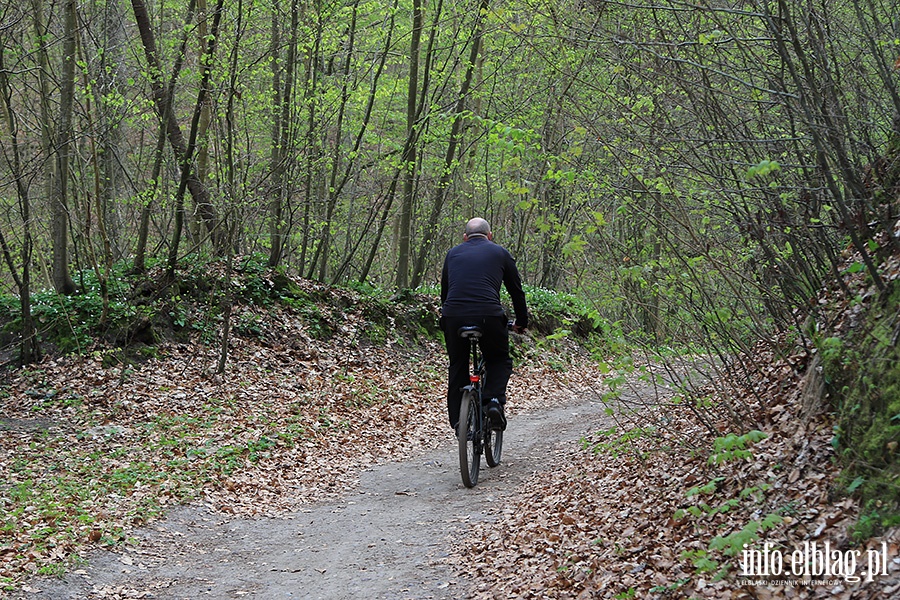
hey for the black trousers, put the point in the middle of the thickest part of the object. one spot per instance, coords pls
(497, 362)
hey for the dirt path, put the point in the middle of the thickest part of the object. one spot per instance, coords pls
(388, 538)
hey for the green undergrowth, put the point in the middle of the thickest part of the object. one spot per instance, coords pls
(142, 310)
(862, 372)
(558, 317)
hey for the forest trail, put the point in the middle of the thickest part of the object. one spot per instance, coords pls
(390, 537)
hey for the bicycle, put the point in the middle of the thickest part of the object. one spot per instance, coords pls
(475, 432)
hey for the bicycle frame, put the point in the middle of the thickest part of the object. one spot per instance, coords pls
(476, 383)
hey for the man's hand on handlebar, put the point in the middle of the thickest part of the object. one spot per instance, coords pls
(511, 325)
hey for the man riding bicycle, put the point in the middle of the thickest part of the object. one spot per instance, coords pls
(470, 295)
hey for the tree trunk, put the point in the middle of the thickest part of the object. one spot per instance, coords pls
(203, 126)
(275, 201)
(162, 102)
(333, 191)
(310, 93)
(227, 301)
(282, 139)
(62, 280)
(233, 164)
(147, 196)
(455, 134)
(29, 349)
(111, 78)
(358, 143)
(409, 159)
(392, 193)
(41, 34)
(100, 209)
(186, 171)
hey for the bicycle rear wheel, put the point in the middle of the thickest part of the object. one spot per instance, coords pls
(493, 446)
(469, 445)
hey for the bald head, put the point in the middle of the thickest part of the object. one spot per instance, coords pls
(478, 226)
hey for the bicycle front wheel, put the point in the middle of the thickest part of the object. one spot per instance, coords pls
(467, 434)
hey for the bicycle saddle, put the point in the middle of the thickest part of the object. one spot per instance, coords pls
(470, 331)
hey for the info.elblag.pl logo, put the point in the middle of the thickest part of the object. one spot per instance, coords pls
(814, 561)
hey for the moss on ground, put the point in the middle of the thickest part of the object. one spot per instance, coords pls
(863, 371)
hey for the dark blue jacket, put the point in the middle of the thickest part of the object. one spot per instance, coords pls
(471, 278)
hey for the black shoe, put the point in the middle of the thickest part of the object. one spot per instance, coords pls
(494, 412)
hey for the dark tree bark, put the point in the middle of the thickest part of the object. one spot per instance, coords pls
(29, 349)
(282, 131)
(163, 104)
(186, 172)
(62, 279)
(324, 248)
(409, 159)
(440, 192)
